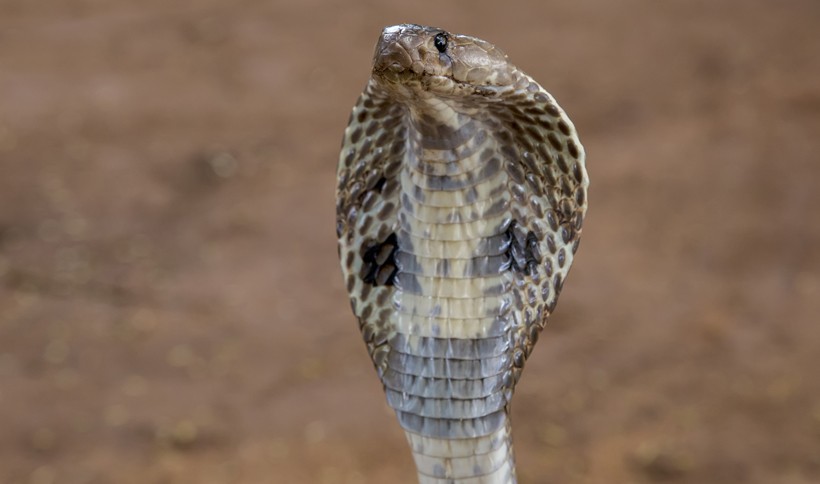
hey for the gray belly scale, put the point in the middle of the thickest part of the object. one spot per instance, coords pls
(450, 353)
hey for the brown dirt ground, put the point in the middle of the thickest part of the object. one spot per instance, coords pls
(171, 309)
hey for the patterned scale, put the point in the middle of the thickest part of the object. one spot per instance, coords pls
(460, 200)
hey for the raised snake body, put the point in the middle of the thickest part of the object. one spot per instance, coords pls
(460, 199)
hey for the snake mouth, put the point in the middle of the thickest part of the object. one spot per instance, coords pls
(399, 73)
(438, 84)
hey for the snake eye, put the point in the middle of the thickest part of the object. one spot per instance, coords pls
(440, 41)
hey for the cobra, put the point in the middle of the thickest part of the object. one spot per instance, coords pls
(461, 196)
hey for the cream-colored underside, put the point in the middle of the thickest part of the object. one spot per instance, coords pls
(464, 457)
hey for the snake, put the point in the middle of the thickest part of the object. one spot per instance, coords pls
(460, 199)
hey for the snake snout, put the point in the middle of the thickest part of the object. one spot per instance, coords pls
(391, 54)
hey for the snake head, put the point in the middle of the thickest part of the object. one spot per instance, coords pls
(416, 59)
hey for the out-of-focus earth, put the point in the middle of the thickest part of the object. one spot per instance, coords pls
(171, 308)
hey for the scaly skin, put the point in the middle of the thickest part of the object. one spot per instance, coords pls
(460, 199)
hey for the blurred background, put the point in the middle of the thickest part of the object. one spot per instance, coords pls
(171, 308)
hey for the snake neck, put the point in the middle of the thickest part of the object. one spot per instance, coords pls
(449, 372)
